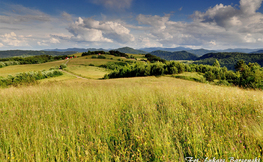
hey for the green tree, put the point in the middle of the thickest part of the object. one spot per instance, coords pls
(216, 63)
(239, 66)
(210, 76)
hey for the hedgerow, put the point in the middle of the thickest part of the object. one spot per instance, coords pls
(28, 78)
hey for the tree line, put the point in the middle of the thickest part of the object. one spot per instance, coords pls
(111, 52)
(229, 59)
(246, 75)
(29, 77)
(30, 60)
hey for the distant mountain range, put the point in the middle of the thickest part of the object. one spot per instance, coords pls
(242, 50)
(165, 53)
(198, 52)
(77, 49)
(165, 49)
(256, 52)
(13, 53)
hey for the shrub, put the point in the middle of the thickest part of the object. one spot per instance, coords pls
(101, 57)
(2, 64)
(28, 78)
(223, 82)
(63, 66)
(210, 76)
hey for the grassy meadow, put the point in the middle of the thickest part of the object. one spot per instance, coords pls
(130, 119)
(66, 118)
(13, 70)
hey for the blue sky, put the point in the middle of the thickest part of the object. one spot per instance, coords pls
(46, 24)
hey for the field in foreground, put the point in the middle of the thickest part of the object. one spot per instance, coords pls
(135, 119)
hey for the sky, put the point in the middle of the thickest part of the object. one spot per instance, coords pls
(209, 24)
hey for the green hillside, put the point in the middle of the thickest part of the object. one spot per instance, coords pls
(200, 52)
(12, 53)
(229, 59)
(180, 55)
(78, 116)
(130, 50)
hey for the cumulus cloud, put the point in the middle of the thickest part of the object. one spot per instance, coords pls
(156, 21)
(220, 26)
(49, 41)
(11, 39)
(228, 17)
(91, 30)
(249, 7)
(120, 4)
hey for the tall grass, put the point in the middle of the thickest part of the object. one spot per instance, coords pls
(137, 119)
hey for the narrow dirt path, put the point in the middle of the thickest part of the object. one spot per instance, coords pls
(71, 73)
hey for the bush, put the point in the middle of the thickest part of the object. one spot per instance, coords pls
(94, 57)
(223, 82)
(63, 66)
(210, 76)
(28, 78)
(101, 57)
(91, 65)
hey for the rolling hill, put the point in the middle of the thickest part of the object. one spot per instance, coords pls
(165, 49)
(180, 55)
(229, 59)
(130, 50)
(259, 51)
(77, 49)
(12, 53)
(201, 52)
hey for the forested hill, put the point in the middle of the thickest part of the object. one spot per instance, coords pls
(12, 53)
(201, 52)
(229, 59)
(257, 52)
(130, 50)
(179, 55)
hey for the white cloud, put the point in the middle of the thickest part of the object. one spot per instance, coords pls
(119, 4)
(42, 43)
(91, 30)
(249, 7)
(54, 40)
(47, 42)
(11, 39)
(220, 26)
(213, 42)
(156, 21)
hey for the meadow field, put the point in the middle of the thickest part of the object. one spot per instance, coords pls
(66, 118)
(130, 119)
(13, 70)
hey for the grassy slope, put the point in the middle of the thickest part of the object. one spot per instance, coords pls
(80, 66)
(13, 70)
(131, 119)
(135, 119)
